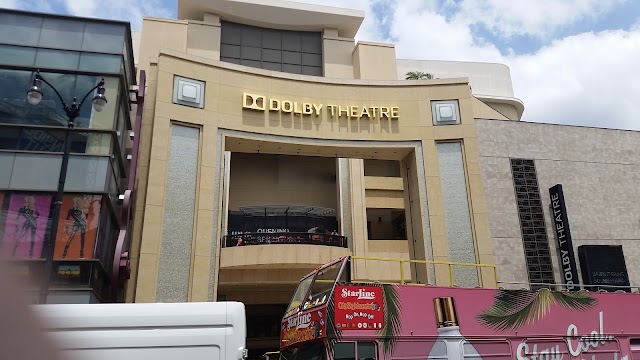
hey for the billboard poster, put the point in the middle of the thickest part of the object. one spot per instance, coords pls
(25, 225)
(304, 326)
(358, 307)
(78, 226)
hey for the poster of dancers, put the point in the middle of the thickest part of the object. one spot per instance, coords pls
(78, 226)
(25, 225)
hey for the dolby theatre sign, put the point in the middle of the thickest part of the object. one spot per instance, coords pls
(262, 103)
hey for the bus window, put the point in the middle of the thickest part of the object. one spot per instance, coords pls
(311, 351)
(301, 292)
(635, 349)
(366, 351)
(347, 351)
(323, 284)
(344, 351)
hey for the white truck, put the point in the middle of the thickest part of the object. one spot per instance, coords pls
(158, 331)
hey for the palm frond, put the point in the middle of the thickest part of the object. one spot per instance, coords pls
(514, 308)
(392, 312)
(578, 300)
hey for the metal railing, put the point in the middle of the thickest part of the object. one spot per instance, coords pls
(248, 239)
(559, 286)
(449, 264)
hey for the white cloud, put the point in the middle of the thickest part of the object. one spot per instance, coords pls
(9, 4)
(423, 33)
(539, 18)
(125, 10)
(586, 79)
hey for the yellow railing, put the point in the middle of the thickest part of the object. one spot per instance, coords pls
(449, 264)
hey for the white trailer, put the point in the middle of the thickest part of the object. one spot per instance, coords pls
(157, 331)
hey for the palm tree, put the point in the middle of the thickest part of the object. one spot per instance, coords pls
(514, 308)
(418, 75)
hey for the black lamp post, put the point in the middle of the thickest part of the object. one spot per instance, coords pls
(34, 96)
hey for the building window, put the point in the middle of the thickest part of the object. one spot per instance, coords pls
(386, 224)
(382, 168)
(532, 225)
(297, 52)
(14, 108)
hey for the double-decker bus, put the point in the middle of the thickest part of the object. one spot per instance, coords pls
(332, 317)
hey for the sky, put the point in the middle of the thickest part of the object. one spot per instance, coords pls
(572, 61)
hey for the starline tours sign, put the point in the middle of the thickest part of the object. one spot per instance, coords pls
(353, 112)
(358, 307)
(304, 326)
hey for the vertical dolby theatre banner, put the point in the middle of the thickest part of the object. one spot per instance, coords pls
(78, 226)
(25, 225)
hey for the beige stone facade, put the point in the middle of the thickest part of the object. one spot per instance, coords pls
(353, 140)
(598, 169)
(396, 126)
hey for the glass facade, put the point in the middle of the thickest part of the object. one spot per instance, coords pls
(297, 52)
(14, 108)
(72, 54)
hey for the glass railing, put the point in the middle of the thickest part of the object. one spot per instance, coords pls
(248, 239)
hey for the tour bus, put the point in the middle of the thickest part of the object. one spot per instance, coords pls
(156, 331)
(332, 317)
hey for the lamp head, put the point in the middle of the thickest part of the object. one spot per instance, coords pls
(34, 95)
(100, 100)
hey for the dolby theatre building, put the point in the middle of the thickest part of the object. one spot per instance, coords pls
(272, 143)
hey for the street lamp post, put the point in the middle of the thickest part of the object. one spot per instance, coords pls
(34, 96)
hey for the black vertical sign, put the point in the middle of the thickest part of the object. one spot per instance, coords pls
(563, 238)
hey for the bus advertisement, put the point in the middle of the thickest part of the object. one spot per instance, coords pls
(387, 321)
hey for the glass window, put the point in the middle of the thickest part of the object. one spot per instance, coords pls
(386, 224)
(62, 34)
(104, 232)
(9, 138)
(366, 351)
(324, 282)
(293, 69)
(344, 351)
(300, 293)
(14, 108)
(100, 63)
(230, 50)
(312, 70)
(45, 140)
(295, 52)
(20, 29)
(59, 59)
(291, 41)
(16, 55)
(311, 351)
(104, 38)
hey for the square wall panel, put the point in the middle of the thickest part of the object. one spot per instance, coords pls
(188, 92)
(445, 112)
